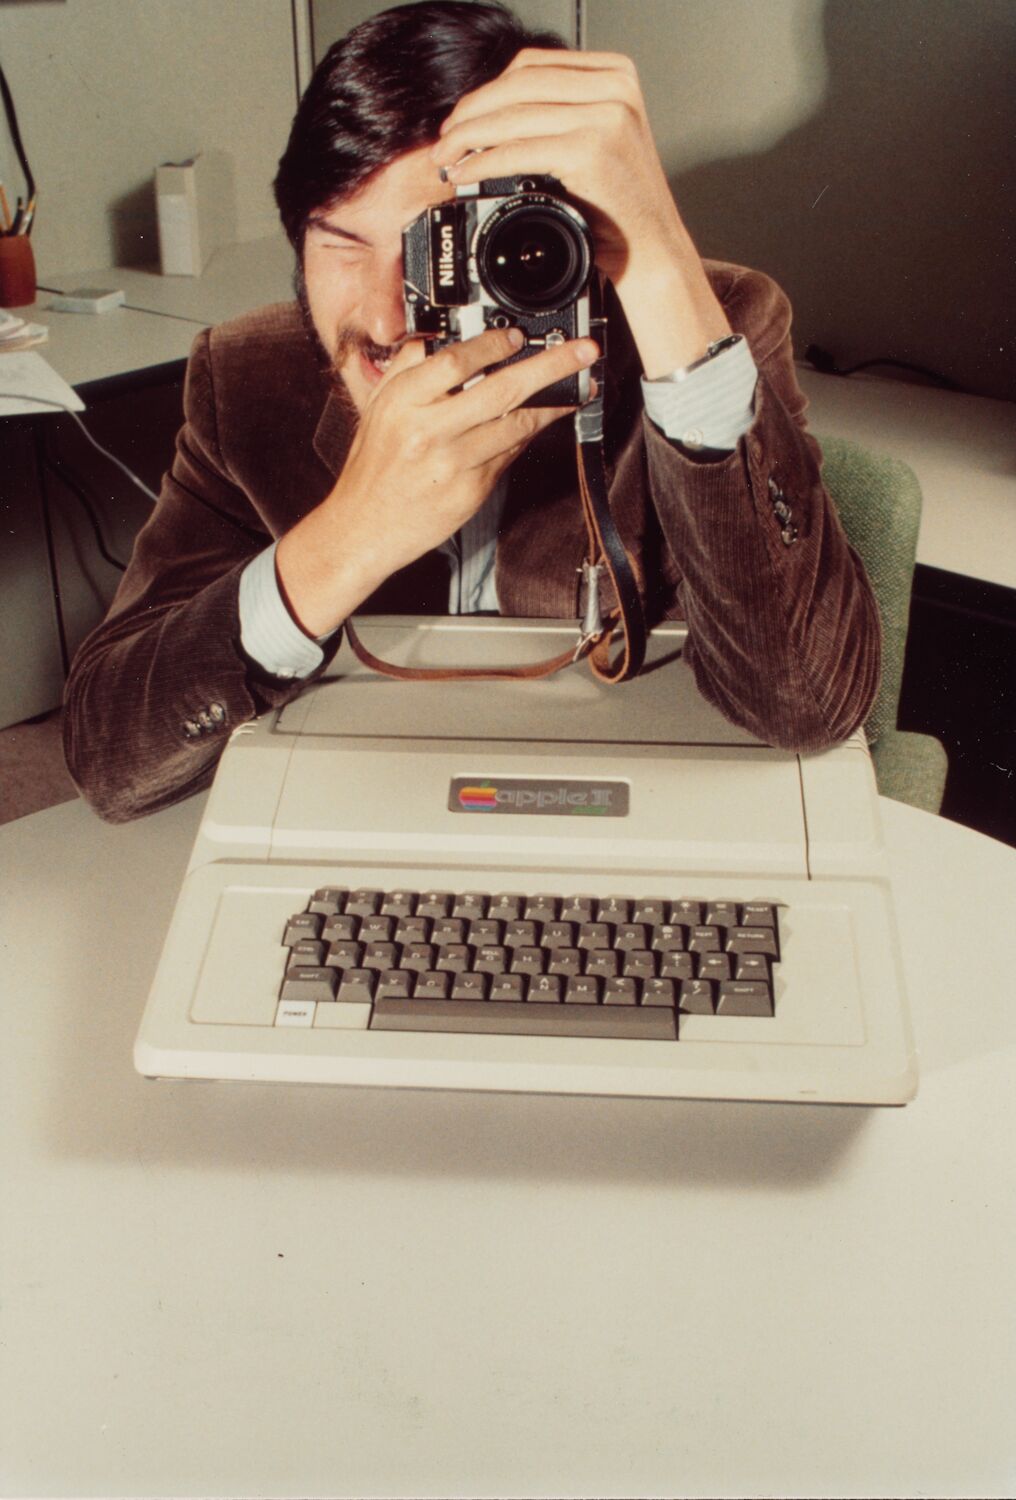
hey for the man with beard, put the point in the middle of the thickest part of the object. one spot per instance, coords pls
(327, 466)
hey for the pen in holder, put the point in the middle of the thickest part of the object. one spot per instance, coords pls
(17, 271)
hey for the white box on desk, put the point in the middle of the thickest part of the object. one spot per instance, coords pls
(196, 207)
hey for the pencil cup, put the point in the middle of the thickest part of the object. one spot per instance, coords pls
(17, 271)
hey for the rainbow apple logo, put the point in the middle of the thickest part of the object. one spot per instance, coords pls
(478, 798)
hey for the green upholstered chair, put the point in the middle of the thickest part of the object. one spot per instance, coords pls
(879, 501)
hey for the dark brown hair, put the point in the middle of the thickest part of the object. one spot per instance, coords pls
(384, 89)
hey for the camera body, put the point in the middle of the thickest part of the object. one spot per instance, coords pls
(512, 252)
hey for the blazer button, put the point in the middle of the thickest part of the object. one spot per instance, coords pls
(191, 729)
(217, 712)
(205, 719)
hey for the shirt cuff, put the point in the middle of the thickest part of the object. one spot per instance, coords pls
(712, 407)
(268, 633)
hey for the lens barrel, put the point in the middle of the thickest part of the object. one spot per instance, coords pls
(533, 254)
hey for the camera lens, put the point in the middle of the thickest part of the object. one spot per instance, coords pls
(533, 257)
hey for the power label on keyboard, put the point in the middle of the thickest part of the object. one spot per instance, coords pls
(536, 965)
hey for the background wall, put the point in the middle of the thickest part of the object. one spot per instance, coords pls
(860, 151)
(107, 89)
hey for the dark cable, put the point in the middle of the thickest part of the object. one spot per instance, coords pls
(47, 530)
(76, 489)
(12, 121)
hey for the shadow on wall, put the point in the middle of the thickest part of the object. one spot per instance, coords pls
(889, 216)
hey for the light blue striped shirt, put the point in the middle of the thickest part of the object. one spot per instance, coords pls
(711, 407)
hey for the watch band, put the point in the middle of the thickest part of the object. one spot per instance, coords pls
(727, 342)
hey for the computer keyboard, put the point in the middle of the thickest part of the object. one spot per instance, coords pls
(535, 965)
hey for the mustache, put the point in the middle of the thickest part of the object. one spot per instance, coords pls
(353, 341)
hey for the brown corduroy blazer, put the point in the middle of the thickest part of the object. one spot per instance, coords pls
(783, 628)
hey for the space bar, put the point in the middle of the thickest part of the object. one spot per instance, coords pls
(649, 1023)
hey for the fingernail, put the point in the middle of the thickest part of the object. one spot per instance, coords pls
(516, 338)
(588, 352)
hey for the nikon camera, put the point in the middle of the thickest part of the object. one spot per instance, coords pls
(512, 251)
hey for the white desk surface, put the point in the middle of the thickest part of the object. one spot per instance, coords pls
(219, 1289)
(962, 448)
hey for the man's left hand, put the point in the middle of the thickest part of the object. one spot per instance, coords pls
(580, 117)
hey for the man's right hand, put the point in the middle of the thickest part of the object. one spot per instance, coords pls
(422, 463)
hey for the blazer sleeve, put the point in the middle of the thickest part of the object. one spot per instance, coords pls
(154, 692)
(784, 631)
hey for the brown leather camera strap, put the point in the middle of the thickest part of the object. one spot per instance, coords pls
(605, 549)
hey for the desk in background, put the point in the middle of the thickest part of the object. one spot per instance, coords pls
(257, 1289)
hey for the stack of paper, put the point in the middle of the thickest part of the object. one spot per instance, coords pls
(15, 333)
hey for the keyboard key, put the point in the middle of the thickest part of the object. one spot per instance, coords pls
(603, 962)
(704, 939)
(758, 914)
(649, 909)
(620, 991)
(721, 913)
(527, 960)
(328, 900)
(677, 966)
(753, 966)
(689, 913)
(418, 956)
(613, 909)
(541, 908)
(398, 904)
(546, 989)
(637, 1022)
(714, 966)
(507, 987)
(582, 989)
(659, 992)
(363, 902)
(394, 984)
(470, 905)
(631, 935)
(558, 935)
(309, 984)
(578, 909)
(434, 904)
(492, 959)
(306, 951)
(376, 929)
(595, 935)
(454, 958)
(564, 961)
(739, 998)
(412, 930)
(507, 908)
(380, 956)
(668, 938)
(752, 940)
(295, 1013)
(521, 934)
(447, 930)
(433, 986)
(483, 932)
(639, 963)
(340, 928)
(696, 997)
(305, 924)
(344, 955)
(470, 986)
(357, 984)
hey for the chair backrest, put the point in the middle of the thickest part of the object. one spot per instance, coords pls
(879, 501)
